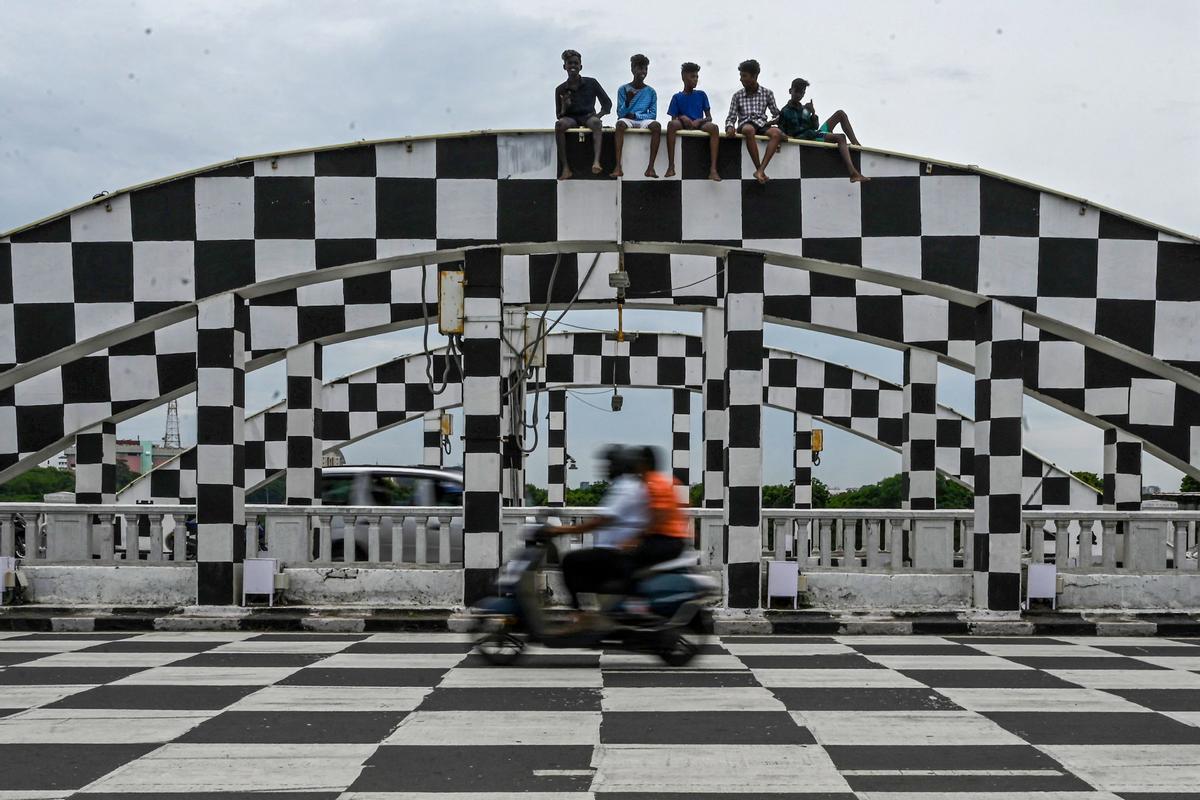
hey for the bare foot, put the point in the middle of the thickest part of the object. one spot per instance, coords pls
(616, 173)
(650, 173)
(670, 173)
(565, 174)
(597, 169)
(760, 176)
(858, 177)
(713, 176)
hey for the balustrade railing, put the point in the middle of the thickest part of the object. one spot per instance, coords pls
(820, 539)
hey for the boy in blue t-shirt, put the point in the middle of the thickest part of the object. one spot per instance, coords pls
(690, 111)
(637, 107)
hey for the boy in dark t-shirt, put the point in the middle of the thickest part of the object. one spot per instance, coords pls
(799, 121)
(690, 111)
(575, 107)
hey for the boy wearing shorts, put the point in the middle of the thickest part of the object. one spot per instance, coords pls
(575, 107)
(799, 121)
(690, 111)
(748, 115)
(637, 107)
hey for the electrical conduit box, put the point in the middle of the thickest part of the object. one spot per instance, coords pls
(451, 285)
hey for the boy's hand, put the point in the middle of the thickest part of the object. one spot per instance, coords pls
(729, 131)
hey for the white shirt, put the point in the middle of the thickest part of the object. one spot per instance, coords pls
(627, 506)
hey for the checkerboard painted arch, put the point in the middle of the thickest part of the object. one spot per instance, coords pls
(371, 400)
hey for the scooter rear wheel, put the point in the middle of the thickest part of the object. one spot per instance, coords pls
(500, 649)
(678, 650)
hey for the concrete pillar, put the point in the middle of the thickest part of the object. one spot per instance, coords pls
(220, 442)
(802, 461)
(512, 412)
(743, 393)
(305, 442)
(1122, 471)
(96, 464)
(431, 439)
(481, 422)
(681, 440)
(556, 449)
(999, 395)
(713, 393)
(918, 454)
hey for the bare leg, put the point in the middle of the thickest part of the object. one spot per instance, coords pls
(714, 144)
(672, 133)
(655, 136)
(748, 133)
(560, 140)
(839, 118)
(840, 141)
(597, 128)
(774, 140)
(619, 142)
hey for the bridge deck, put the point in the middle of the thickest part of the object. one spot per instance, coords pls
(390, 715)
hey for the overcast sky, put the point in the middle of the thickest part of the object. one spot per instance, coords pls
(1096, 99)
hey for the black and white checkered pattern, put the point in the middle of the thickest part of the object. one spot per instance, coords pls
(512, 389)
(918, 456)
(305, 440)
(1122, 471)
(802, 461)
(998, 456)
(743, 409)
(556, 448)
(129, 256)
(431, 439)
(419, 715)
(681, 439)
(381, 397)
(482, 405)
(714, 408)
(220, 446)
(96, 464)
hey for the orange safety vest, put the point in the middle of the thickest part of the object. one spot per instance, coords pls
(663, 498)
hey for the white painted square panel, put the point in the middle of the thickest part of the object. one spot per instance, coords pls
(177, 338)
(712, 209)
(93, 319)
(328, 293)
(42, 273)
(784, 281)
(300, 165)
(274, 327)
(8, 343)
(133, 377)
(835, 312)
(837, 402)
(1126, 269)
(898, 255)
(224, 208)
(106, 220)
(1059, 217)
(516, 279)
(1008, 266)
(277, 258)
(42, 389)
(587, 210)
(950, 205)
(830, 208)
(345, 207)
(1061, 365)
(521, 156)
(926, 319)
(1176, 331)
(164, 271)
(1077, 311)
(879, 165)
(413, 159)
(872, 289)
(466, 209)
(1110, 400)
(686, 270)
(1151, 400)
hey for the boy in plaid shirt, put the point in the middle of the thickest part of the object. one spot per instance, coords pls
(799, 121)
(748, 115)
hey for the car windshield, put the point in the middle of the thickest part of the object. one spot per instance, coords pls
(336, 489)
(394, 490)
(449, 493)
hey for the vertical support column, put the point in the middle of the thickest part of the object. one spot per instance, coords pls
(918, 453)
(512, 410)
(681, 441)
(999, 395)
(802, 462)
(714, 407)
(1122, 471)
(220, 444)
(96, 464)
(304, 438)
(556, 449)
(431, 441)
(481, 422)
(743, 392)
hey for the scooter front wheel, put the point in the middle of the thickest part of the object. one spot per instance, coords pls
(500, 649)
(678, 650)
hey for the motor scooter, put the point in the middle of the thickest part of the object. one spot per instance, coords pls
(668, 599)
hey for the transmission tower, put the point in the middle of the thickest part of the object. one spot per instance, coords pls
(171, 436)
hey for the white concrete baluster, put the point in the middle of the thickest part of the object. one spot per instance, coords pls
(422, 537)
(826, 543)
(803, 540)
(896, 542)
(1062, 542)
(1037, 539)
(875, 554)
(397, 541)
(179, 537)
(373, 524)
(156, 536)
(1108, 545)
(444, 540)
(350, 538)
(250, 531)
(325, 532)
(1084, 553)
(107, 546)
(8, 539)
(782, 530)
(968, 534)
(1181, 538)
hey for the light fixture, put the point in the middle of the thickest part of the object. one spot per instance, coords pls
(570, 461)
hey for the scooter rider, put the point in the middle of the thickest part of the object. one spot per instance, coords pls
(621, 519)
(667, 530)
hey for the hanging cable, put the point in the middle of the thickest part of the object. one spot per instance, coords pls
(425, 343)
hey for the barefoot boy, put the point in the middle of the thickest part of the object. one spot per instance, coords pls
(637, 107)
(689, 111)
(575, 106)
(748, 115)
(799, 121)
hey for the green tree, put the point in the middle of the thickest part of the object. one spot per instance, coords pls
(1189, 484)
(778, 495)
(1090, 478)
(125, 475)
(587, 495)
(696, 495)
(32, 486)
(535, 495)
(953, 495)
(884, 494)
(271, 493)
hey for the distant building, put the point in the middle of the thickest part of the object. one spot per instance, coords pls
(57, 462)
(131, 451)
(333, 458)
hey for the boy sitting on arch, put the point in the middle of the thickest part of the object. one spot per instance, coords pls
(637, 107)
(575, 106)
(799, 121)
(690, 111)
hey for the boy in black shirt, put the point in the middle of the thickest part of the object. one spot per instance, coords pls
(575, 106)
